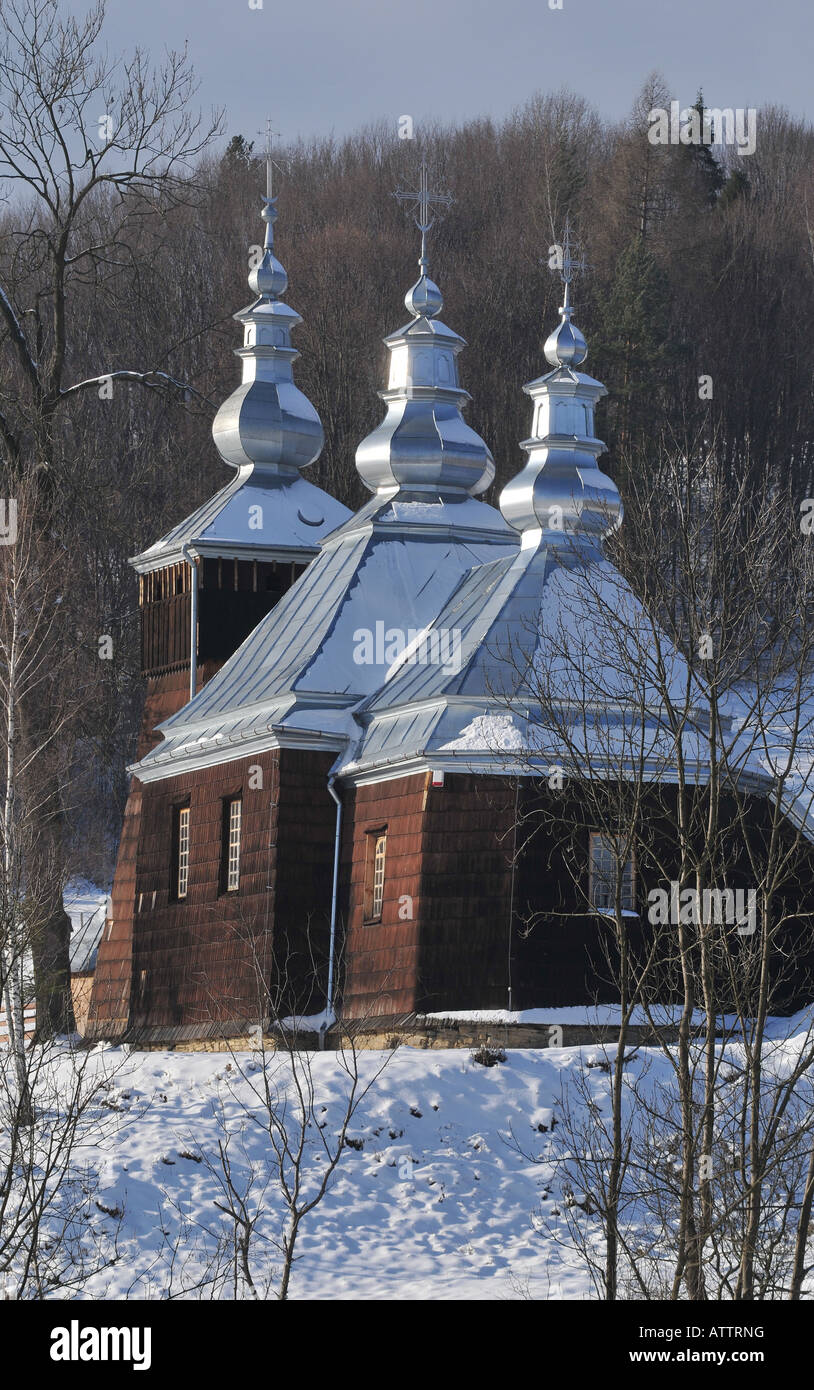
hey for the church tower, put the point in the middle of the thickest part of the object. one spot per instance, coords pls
(259, 739)
(458, 739)
(206, 585)
(561, 498)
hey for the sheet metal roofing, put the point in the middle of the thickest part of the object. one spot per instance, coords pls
(547, 626)
(376, 575)
(87, 907)
(260, 513)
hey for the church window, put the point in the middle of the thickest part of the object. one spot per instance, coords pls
(605, 867)
(232, 821)
(181, 852)
(374, 874)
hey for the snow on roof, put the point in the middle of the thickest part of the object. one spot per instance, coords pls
(534, 631)
(258, 511)
(87, 907)
(491, 632)
(458, 514)
(380, 573)
(547, 624)
(773, 737)
(520, 625)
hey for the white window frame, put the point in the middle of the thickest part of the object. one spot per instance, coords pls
(602, 878)
(234, 827)
(182, 853)
(375, 868)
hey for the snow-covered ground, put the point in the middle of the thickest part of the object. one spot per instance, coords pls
(436, 1203)
(446, 1192)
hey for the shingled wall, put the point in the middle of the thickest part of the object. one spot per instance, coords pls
(448, 864)
(381, 959)
(482, 936)
(192, 963)
(166, 694)
(459, 926)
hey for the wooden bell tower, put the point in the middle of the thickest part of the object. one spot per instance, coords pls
(233, 595)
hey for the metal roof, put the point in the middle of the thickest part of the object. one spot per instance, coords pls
(267, 515)
(87, 909)
(373, 576)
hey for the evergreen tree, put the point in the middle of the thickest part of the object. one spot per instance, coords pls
(736, 187)
(633, 345)
(238, 154)
(708, 173)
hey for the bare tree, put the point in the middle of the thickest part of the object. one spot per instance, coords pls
(51, 1238)
(279, 1146)
(30, 876)
(86, 144)
(84, 141)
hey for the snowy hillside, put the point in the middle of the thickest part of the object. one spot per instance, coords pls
(433, 1203)
(447, 1186)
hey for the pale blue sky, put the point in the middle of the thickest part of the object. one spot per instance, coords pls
(322, 66)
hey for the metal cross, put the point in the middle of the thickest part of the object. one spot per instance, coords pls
(573, 261)
(270, 163)
(572, 255)
(420, 204)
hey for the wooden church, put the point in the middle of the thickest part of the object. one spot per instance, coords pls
(342, 745)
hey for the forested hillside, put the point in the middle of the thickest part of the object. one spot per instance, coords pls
(700, 263)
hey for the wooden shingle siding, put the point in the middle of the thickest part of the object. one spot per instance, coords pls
(193, 962)
(472, 937)
(445, 853)
(466, 894)
(381, 957)
(458, 927)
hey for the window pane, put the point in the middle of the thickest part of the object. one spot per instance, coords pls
(375, 852)
(378, 875)
(183, 851)
(233, 846)
(603, 874)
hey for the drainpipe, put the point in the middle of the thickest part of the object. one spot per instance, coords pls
(329, 1008)
(193, 622)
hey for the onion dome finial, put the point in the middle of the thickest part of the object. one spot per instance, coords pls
(269, 276)
(423, 299)
(267, 422)
(424, 444)
(561, 494)
(566, 346)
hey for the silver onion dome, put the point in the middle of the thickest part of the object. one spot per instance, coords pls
(269, 277)
(267, 422)
(566, 347)
(424, 444)
(423, 299)
(561, 493)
